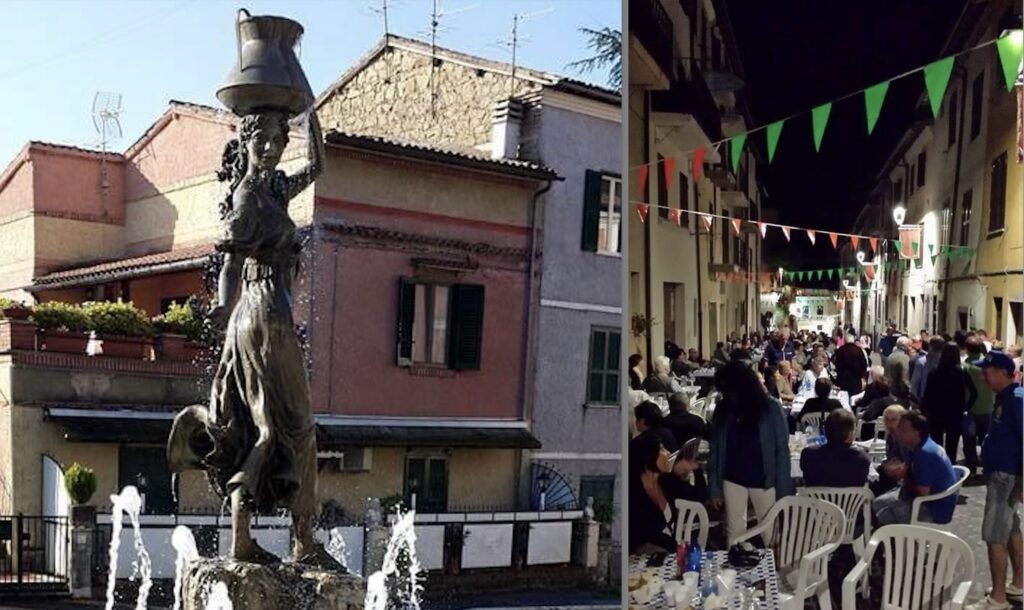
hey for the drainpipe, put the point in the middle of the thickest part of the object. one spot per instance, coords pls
(700, 301)
(647, 236)
(962, 73)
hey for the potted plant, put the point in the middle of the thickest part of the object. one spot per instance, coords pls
(80, 483)
(183, 332)
(604, 514)
(16, 332)
(14, 310)
(62, 327)
(125, 329)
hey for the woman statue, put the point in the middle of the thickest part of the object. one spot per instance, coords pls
(256, 440)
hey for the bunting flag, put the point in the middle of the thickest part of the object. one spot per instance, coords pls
(834, 238)
(818, 274)
(698, 163)
(735, 148)
(736, 225)
(913, 246)
(642, 209)
(707, 222)
(874, 244)
(830, 272)
(1009, 48)
(810, 236)
(641, 178)
(669, 166)
(785, 231)
(763, 227)
(675, 216)
(854, 241)
(935, 258)
(819, 118)
(936, 77)
(772, 133)
(931, 248)
(869, 272)
(874, 96)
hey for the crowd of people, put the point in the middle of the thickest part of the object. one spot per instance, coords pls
(926, 392)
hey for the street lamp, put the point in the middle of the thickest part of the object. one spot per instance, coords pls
(899, 214)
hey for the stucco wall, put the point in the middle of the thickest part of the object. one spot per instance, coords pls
(16, 196)
(60, 242)
(70, 184)
(17, 261)
(391, 97)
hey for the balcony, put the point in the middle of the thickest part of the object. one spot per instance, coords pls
(734, 199)
(721, 176)
(732, 122)
(691, 96)
(652, 27)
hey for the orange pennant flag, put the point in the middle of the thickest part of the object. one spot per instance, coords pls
(810, 236)
(874, 243)
(669, 166)
(854, 240)
(834, 238)
(785, 231)
(736, 225)
(641, 178)
(673, 216)
(763, 227)
(641, 209)
(698, 163)
(707, 222)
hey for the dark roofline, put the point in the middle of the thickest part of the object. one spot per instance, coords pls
(522, 169)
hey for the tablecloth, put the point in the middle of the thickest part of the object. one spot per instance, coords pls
(713, 562)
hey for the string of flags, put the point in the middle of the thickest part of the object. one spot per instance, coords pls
(936, 79)
(950, 252)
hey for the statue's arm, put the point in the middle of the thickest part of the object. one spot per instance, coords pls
(227, 287)
(298, 181)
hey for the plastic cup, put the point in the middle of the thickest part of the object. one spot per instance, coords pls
(691, 580)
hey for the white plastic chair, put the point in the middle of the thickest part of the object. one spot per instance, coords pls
(699, 407)
(811, 419)
(880, 430)
(856, 504)
(921, 564)
(915, 509)
(804, 532)
(692, 515)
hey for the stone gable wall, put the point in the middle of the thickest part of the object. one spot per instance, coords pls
(391, 97)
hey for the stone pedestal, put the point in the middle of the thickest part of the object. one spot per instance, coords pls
(257, 587)
(83, 532)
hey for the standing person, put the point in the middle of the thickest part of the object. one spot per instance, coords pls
(887, 343)
(1002, 459)
(635, 374)
(924, 367)
(980, 410)
(897, 368)
(749, 459)
(774, 353)
(851, 366)
(946, 397)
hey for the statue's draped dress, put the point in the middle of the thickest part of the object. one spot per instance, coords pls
(258, 434)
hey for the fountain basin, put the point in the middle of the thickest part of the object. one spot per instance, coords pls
(253, 586)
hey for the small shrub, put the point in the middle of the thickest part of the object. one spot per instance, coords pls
(80, 483)
(117, 319)
(604, 511)
(185, 320)
(391, 504)
(56, 315)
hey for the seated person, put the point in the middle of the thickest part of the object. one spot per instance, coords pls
(815, 370)
(742, 352)
(681, 423)
(650, 510)
(660, 382)
(720, 357)
(686, 481)
(784, 382)
(837, 463)
(927, 471)
(877, 388)
(895, 453)
(821, 402)
(682, 366)
(650, 422)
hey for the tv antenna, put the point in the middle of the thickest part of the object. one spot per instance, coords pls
(517, 39)
(384, 11)
(436, 15)
(106, 118)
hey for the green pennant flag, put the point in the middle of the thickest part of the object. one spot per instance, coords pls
(830, 273)
(936, 77)
(819, 118)
(935, 257)
(735, 148)
(772, 133)
(931, 248)
(1009, 47)
(873, 98)
(913, 246)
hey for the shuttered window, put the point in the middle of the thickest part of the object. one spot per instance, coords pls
(440, 324)
(603, 381)
(997, 197)
(602, 212)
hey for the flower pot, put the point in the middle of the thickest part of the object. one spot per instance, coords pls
(136, 348)
(17, 334)
(171, 347)
(17, 312)
(83, 515)
(68, 342)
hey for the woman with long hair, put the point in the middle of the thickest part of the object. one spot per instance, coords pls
(948, 393)
(749, 460)
(650, 511)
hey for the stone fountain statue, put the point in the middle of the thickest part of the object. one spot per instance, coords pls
(256, 439)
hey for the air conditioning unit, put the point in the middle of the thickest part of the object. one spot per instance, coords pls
(351, 459)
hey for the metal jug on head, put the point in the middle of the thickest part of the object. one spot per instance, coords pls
(268, 74)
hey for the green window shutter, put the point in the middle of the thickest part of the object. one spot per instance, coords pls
(406, 315)
(591, 210)
(465, 327)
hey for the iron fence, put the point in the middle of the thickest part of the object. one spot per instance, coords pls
(34, 550)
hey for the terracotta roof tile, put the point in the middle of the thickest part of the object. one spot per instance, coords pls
(123, 268)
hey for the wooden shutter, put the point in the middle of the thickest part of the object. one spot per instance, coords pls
(465, 327)
(406, 315)
(591, 210)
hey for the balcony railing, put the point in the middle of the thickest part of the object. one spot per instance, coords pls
(691, 96)
(653, 28)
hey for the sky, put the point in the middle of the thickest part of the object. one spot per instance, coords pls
(797, 55)
(58, 54)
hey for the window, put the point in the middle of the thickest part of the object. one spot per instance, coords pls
(951, 127)
(966, 206)
(1015, 331)
(684, 199)
(662, 187)
(997, 196)
(603, 383)
(669, 304)
(897, 191)
(947, 222)
(600, 488)
(997, 302)
(921, 162)
(602, 212)
(427, 477)
(146, 468)
(440, 324)
(977, 104)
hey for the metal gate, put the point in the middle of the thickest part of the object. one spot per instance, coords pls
(34, 552)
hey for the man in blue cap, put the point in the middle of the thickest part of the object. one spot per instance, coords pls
(1003, 460)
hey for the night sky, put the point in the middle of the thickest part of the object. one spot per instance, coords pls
(799, 54)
